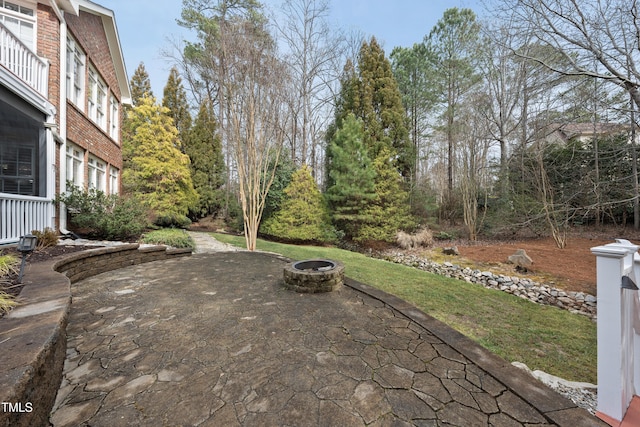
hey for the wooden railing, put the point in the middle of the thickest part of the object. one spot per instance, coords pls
(20, 215)
(23, 62)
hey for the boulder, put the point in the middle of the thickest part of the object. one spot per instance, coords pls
(453, 250)
(521, 260)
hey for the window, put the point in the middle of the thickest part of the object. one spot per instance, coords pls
(114, 116)
(20, 20)
(97, 174)
(75, 163)
(113, 180)
(75, 73)
(17, 170)
(97, 99)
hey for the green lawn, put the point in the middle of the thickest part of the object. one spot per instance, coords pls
(542, 337)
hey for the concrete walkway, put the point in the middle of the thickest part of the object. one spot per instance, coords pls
(215, 340)
(205, 244)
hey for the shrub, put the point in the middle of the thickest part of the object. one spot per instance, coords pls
(6, 302)
(303, 215)
(126, 220)
(172, 221)
(423, 237)
(46, 238)
(101, 216)
(8, 265)
(443, 235)
(170, 237)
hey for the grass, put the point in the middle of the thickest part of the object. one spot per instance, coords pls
(174, 237)
(8, 265)
(542, 337)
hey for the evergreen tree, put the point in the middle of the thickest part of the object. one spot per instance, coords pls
(389, 210)
(140, 88)
(345, 105)
(140, 84)
(351, 176)
(175, 99)
(382, 112)
(155, 169)
(204, 148)
(411, 68)
(285, 168)
(371, 95)
(453, 46)
(303, 215)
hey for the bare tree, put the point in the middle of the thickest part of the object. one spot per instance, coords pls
(503, 81)
(314, 54)
(600, 39)
(474, 165)
(234, 63)
(253, 93)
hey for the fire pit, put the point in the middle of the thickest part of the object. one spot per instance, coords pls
(314, 275)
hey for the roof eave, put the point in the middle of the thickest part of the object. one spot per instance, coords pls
(115, 48)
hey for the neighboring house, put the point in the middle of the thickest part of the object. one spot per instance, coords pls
(583, 132)
(62, 85)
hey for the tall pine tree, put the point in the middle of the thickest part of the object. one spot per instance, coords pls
(370, 93)
(204, 148)
(175, 99)
(351, 177)
(381, 110)
(140, 84)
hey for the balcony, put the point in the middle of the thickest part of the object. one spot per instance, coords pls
(21, 61)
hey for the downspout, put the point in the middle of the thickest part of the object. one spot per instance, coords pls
(63, 124)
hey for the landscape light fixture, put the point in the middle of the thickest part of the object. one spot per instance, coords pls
(26, 245)
(628, 283)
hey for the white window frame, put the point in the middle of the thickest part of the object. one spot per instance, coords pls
(75, 165)
(114, 179)
(114, 116)
(24, 17)
(97, 174)
(76, 66)
(97, 99)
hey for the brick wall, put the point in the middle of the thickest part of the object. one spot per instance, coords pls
(48, 46)
(88, 31)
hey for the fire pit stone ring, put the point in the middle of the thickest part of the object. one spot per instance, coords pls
(314, 275)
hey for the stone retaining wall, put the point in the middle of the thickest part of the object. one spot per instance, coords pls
(33, 335)
(575, 302)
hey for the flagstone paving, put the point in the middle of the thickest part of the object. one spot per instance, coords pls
(215, 340)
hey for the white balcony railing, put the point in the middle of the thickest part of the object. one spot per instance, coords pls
(20, 215)
(23, 62)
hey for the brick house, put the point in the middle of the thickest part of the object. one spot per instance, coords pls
(62, 85)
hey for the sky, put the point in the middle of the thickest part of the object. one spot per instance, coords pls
(148, 28)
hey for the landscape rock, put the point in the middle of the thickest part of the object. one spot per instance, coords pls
(521, 260)
(452, 250)
(574, 302)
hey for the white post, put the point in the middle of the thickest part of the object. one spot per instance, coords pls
(615, 328)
